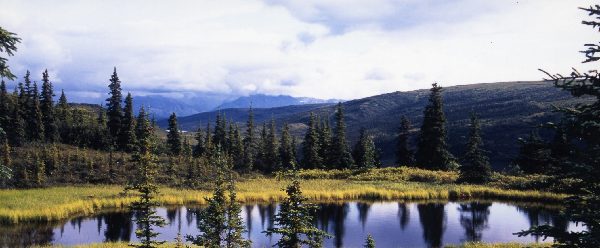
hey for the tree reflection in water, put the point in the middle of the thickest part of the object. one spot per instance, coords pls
(333, 214)
(433, 222)
(474, 219)
(403, 215)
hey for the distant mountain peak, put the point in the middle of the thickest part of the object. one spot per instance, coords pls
(271, 101)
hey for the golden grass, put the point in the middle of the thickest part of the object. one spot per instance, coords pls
(502, 245)
(58, 203)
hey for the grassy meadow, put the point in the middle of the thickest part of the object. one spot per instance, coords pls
(58, 203)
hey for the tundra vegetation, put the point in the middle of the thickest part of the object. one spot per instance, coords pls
(60, 159)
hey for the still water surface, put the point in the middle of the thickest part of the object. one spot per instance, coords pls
(392, 224)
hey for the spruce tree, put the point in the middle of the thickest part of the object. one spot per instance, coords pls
(220, 223)
(534, 154)
(220, 132)
(261, 162)
(404, 156)
(199, 148)
(295, 221)
(364, 151)
(114, 111)
(234, 225)
(17, 123)
(209, 146)
(250, 148)
(33, 114)
(310, 147)
(5, 106)
(272, 149)
(174, 136)
(64, 116)
(126, 141)
(237, 148)
(583, 121)
(370, 242)
(47, 108)
(475, 166)
(8, 44)
(432, 152)
(5, 162)
(145, 184)
(286, 151)
(325, 141)
(141, 132)
(341, 156)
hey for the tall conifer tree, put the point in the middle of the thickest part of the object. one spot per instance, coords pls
(286, 151)
(342, 158)
(404, 156)
(310, 147)
(47, 108)
(250, 149)
(114, 111)
(364, 151)
(475, 166)
(127, 131)
(145, 184)
(432, 152)
(174, 136)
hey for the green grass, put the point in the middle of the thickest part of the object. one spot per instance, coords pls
(59, 203)
(502, 245)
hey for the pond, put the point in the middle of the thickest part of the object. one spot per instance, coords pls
(392, 224)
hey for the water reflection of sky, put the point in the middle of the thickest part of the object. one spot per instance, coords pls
(391, 224)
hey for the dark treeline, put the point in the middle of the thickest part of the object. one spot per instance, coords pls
(37, 132)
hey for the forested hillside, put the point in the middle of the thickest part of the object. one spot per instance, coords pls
(508, 110)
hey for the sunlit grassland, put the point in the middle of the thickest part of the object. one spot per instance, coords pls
(58, 203)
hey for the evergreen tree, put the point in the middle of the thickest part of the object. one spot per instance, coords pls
(583, 121)
(250, 149)
(17, 125)
(174, 136)
(286, 151)
(534, 155)
(199, 149)
(310, 146)
(404, 156)
(209, 146)
(141, 127)
(145, 184)
(114, 111)
(432, 150)
(237, 148)
(8, 42)
(126, 141)
(5, 170)
(63, 115)
(5, 107)
(370, 242)
(220, 223)
(47, 108)
(325, 141)
(33, 114)
(342, 158)
(295, 219)
(261, 162)
(272, 149)
(220, 133)
(475, 166)
(235, 225)
(364, 151)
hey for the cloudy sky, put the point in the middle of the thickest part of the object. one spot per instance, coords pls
(341, 49)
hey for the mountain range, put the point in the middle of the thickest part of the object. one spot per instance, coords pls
(507, 111)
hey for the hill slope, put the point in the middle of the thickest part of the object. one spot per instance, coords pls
(507, 110)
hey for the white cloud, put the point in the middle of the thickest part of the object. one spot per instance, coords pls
(325, 49)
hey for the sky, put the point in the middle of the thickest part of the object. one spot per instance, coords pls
(342, 49)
